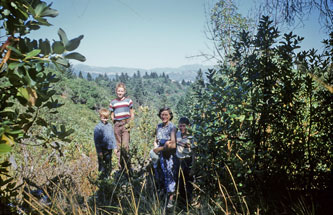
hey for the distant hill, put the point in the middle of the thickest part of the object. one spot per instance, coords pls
(186, 72)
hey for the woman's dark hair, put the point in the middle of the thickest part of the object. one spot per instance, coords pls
(184, 120)
(165, 109)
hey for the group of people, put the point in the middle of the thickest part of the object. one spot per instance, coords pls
(172, 148)
(171, 155)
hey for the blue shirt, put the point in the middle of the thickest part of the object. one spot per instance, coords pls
(163, 133)
(104, 137)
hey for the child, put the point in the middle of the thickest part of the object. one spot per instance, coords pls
(184, 161)
(122, 114)
(105, 142)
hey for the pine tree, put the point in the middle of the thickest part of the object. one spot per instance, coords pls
(89, 77)
(80, 75)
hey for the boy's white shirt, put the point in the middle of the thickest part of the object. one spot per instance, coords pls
(181, 151)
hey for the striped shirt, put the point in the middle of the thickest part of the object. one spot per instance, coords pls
(121, 108)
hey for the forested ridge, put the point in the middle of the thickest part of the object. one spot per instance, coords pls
(262, 119)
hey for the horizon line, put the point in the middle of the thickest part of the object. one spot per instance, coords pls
(151, 68)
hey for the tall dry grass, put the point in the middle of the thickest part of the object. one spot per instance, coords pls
(127, 192)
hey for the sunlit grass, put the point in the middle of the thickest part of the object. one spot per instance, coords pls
(135, 195)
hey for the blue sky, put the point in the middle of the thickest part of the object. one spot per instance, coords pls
(144, 33)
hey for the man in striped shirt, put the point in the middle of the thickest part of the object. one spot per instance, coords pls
(122, 113)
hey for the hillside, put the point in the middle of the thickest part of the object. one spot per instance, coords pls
(150, 89)
(186, 72)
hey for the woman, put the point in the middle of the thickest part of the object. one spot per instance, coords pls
(165, 144)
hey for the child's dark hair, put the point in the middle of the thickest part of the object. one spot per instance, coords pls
(165, 109)
(184, 120)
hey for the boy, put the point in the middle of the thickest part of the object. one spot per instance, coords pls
(105, 142)
(122, 115)
(184, 161)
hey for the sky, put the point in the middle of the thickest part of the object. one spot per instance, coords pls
(145, 34)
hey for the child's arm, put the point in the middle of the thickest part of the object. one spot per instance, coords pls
(130, 123)
(112, 116)
(97, 140)
(96, 136)
(132, 113)
(113, 137)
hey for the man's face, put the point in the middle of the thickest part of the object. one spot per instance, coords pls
(120, 92)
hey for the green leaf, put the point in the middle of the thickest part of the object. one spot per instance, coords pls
(14, 132)
(49, 12)
(32, 54)
(6, 12)
(233, 116)
(74, 43)
(43, 10)
(15, 50)
(31, 10)
(28, 80)
(39, 9)
(13, 5)
(250, 118)
(45, 47)
(75, 56)
(14, 65)
(63, 36)
(241, 118)
(39, 67)
(42, 21)
(69, 132)
(33, 25)
(61, 61)
(223, 136)
(22, 91)
(4, 148)
(42, 122)
(58, 47)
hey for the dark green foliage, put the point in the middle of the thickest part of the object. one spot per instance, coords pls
(89, 77)
(150, 90)
(139, 92)
(81, 91)
(26, 81)
(262, 120)
(266, 118)
(80, 75)
(8, 189)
